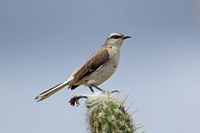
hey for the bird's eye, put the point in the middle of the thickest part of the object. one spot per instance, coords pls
(115, 36)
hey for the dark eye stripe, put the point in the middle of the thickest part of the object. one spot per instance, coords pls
(115, 36)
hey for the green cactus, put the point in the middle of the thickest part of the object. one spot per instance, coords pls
(106, 114)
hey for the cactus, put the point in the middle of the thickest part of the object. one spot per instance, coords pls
(106, 114)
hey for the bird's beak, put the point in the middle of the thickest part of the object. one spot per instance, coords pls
(125, 37)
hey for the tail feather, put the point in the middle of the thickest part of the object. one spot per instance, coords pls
(51, 91)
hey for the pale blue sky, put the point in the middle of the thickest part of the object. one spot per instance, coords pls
(43, 41)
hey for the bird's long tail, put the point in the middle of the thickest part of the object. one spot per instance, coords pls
(51, 91)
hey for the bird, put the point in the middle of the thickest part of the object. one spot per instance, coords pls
(97, 69)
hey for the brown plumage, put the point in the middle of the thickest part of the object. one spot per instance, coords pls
(92, 64)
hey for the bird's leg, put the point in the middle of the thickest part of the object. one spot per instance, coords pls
(98, 88)
(91, 89)
(74, 100)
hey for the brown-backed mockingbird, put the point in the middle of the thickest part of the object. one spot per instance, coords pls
(97, 69)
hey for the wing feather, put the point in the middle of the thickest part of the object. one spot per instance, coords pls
(97, 60)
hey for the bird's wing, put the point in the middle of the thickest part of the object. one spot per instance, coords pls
(97, 60)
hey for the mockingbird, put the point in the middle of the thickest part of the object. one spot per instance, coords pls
(97, 69)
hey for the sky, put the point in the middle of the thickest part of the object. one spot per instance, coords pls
(43, 41)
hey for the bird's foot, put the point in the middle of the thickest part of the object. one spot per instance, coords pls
(115, 91)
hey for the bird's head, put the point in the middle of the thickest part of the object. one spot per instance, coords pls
(115, 39)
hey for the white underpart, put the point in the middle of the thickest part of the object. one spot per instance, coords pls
(90, 82)
(105, 71)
